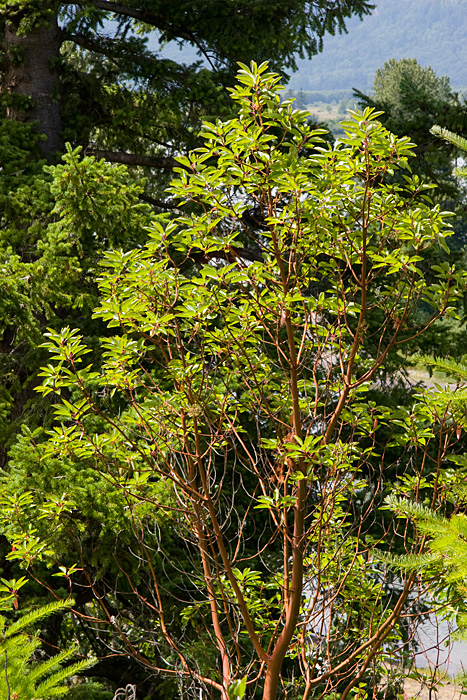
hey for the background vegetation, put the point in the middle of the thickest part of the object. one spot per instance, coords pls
(99, 111)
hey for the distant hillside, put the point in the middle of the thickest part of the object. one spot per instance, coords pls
(432, 31)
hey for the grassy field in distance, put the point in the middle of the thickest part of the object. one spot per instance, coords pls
(329, 106)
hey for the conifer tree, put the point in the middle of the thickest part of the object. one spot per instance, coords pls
(21, 676)
(442, 522)
(412, 97)
(446, 532)
(85, 71)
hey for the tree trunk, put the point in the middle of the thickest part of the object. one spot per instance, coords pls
(31, 71)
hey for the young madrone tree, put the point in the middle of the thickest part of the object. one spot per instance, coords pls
(232, 402)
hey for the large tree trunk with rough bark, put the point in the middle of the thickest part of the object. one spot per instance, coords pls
(30, 70)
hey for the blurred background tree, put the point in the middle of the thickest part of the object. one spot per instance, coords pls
(413, 98)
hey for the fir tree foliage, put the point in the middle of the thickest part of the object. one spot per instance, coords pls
(443, 524)
(412, 97)
(54, 227)
(21, 676)
(448, 545)
(456, 140)
(118, 94)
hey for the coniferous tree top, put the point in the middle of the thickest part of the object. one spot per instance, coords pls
(122, 98)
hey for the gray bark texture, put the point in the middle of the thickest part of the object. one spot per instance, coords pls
(34, 76)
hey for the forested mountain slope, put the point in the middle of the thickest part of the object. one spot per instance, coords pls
(432, 31)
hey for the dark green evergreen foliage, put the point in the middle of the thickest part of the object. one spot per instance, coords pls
(414, 98)
(86, 206)
(89, 691)
(444, 523)
(21, 676)
(119, 95)
(94, 544)
(55, 224)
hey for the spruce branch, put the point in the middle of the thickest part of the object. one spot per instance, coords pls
(455, 140)
(450, 137)
(36, 615)
(449, 366)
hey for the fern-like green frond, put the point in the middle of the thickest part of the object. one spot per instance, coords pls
(427, 520)
(36, 615)
(449, 136)
(49, 686)
(456, 140)
(407, 562)
(455, 399)
(452, 368)
(448, 543)
(20, 674)
(26, 644)
(46, 667)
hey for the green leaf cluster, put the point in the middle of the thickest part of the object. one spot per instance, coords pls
(21, 677)
(239, 350)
